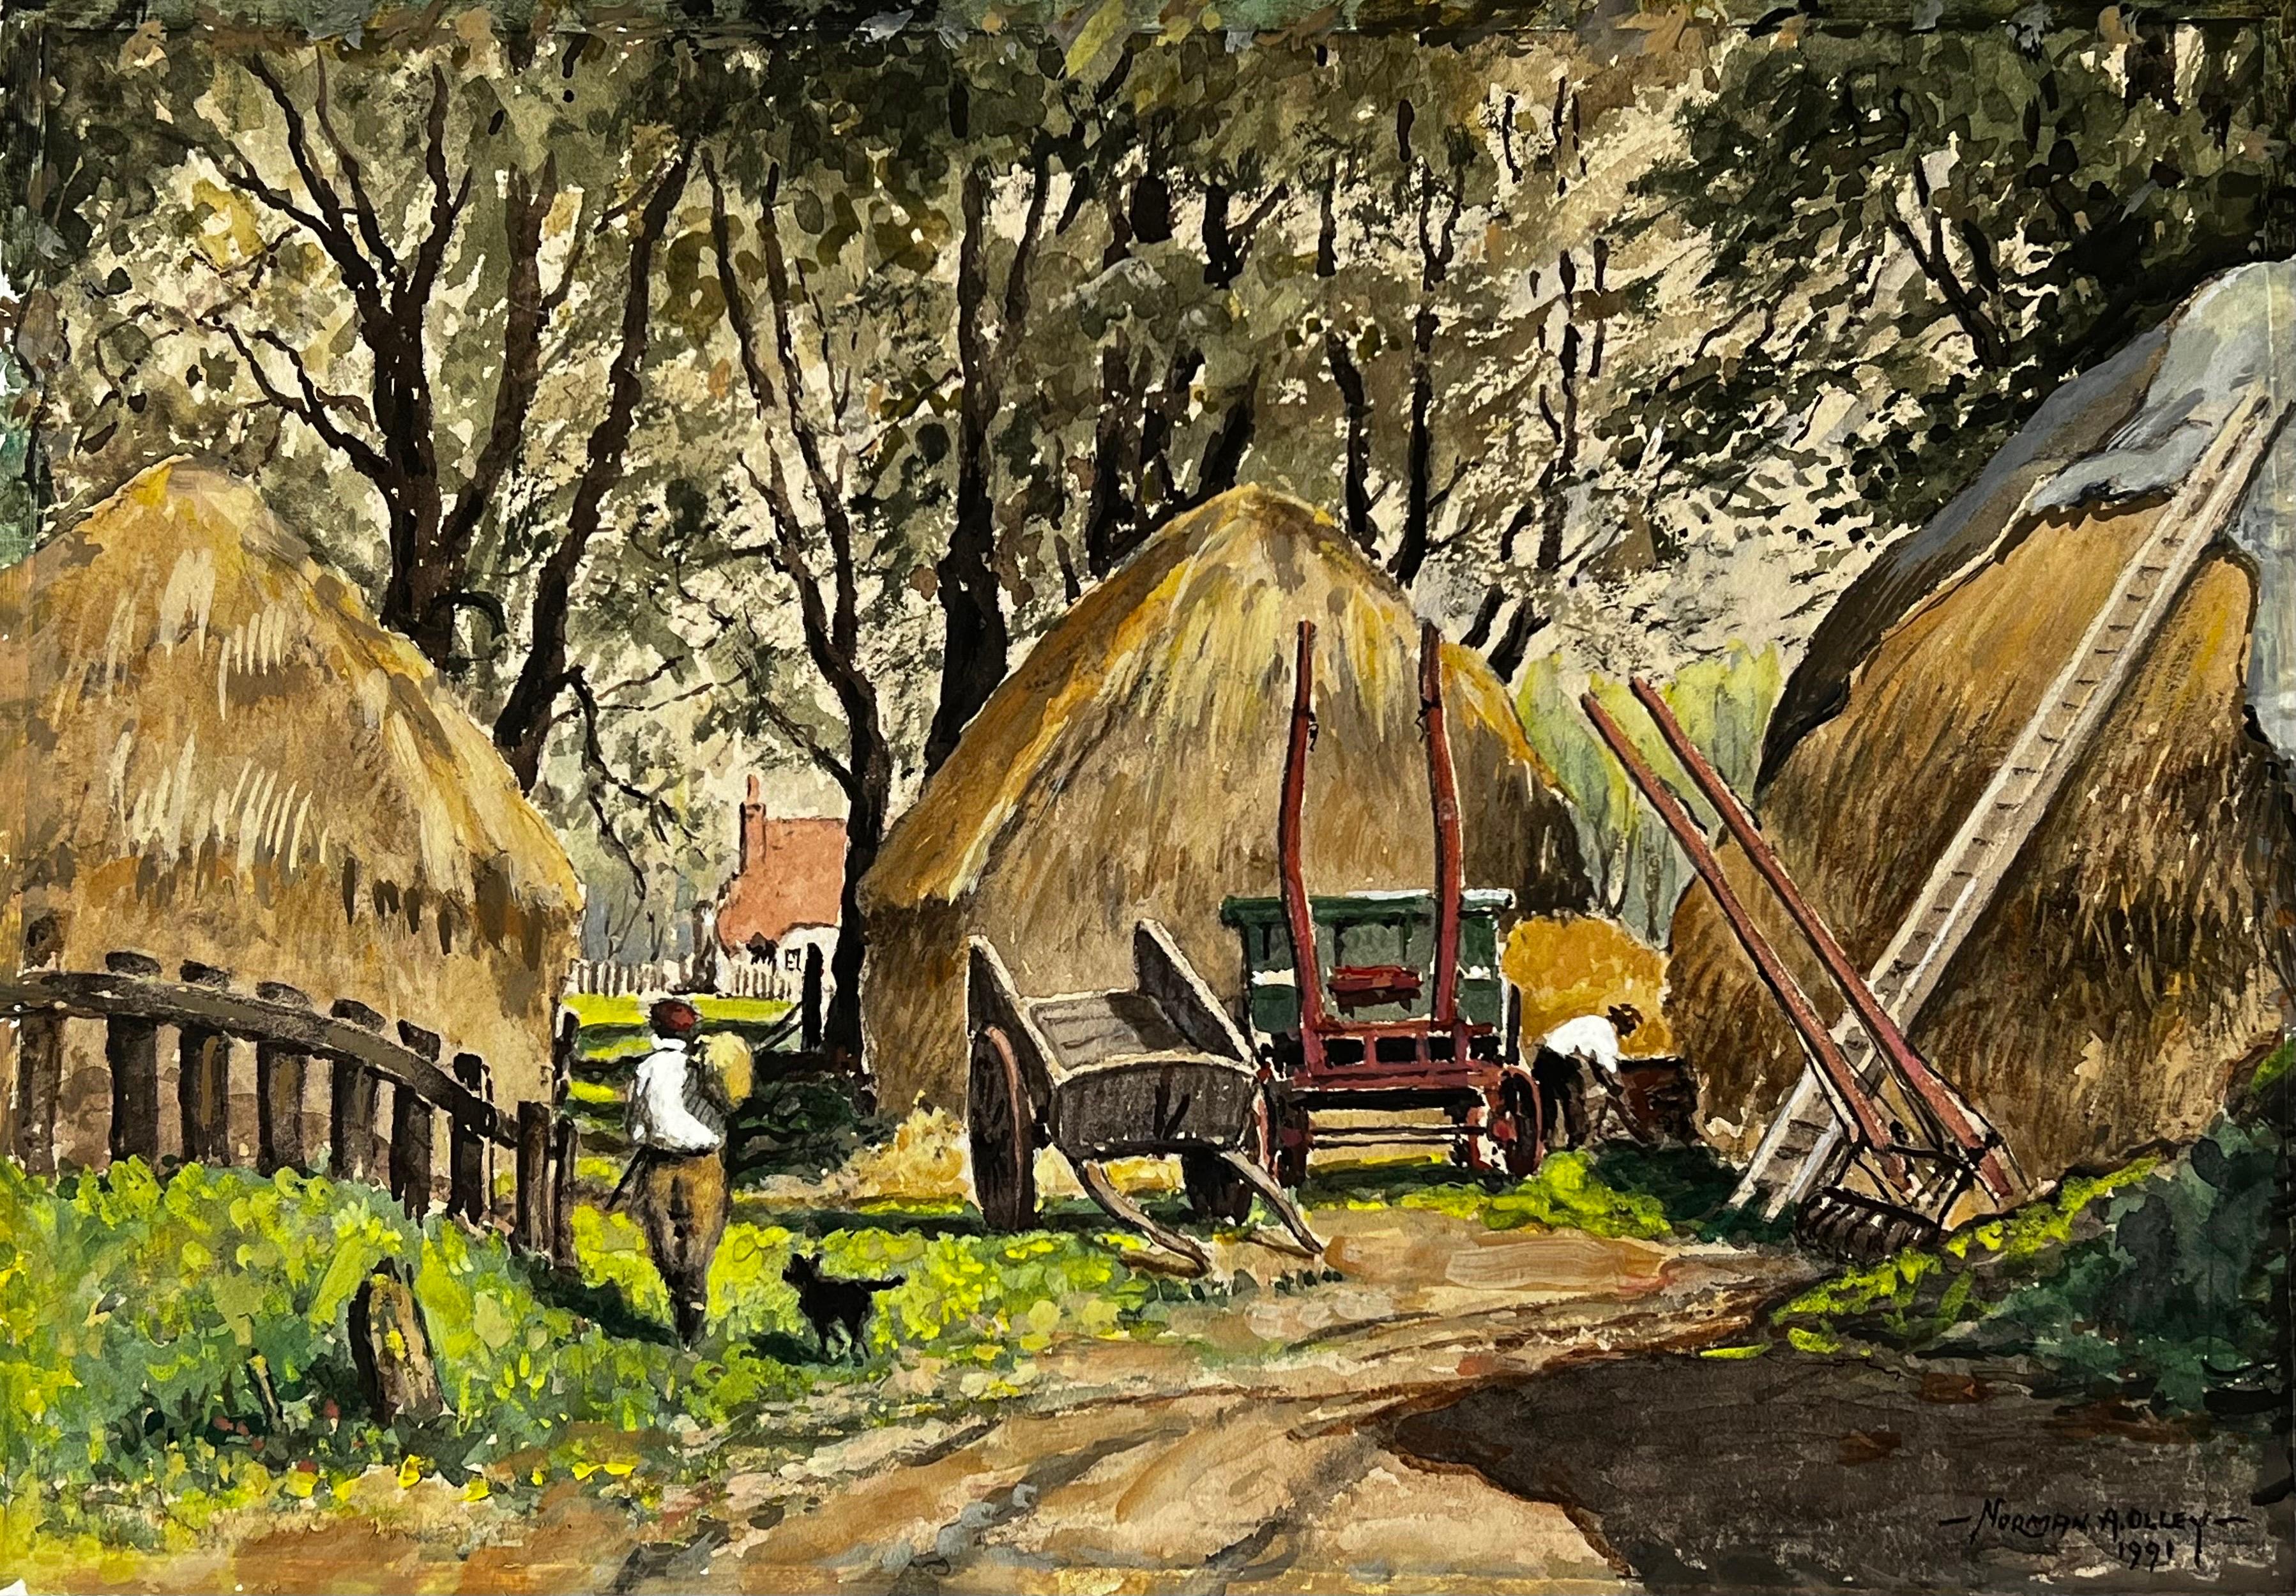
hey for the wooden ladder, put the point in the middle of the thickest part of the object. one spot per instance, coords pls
(1802, 1149)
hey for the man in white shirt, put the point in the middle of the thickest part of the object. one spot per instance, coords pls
(676, 1178)
(1576, 1059)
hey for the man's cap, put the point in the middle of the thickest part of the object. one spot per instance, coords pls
(674, 1017)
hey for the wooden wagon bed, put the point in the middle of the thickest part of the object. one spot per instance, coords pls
(1154, 1070)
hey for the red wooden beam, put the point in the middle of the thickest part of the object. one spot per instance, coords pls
(1298, 916)
(1450, 865)
(1869, 1128)
(1939, 1099)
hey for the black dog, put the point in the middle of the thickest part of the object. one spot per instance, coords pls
(826, 1302)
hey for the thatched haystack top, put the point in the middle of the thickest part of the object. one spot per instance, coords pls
(1131, 766)
(2130, 426)
(231, 763)
(2141, 947)
(1193, 638)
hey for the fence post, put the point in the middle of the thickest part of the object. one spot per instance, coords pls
(351, 1109)
(39, 1058)
(568, 1143)
(812, 1012)
(533, 1176)
(203, 1078)
(467, 1146)
(131, 1048)
(279, 1074)
(413, 1128)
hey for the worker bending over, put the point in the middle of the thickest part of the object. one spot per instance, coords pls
(1576, 1060)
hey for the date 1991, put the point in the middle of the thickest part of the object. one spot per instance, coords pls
(2143, 1540)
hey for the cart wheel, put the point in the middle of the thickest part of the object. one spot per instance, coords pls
(1217, 1194)
(1514, 1126)
(1001, 1123)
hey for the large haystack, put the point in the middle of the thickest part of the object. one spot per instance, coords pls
(2141, 947)
(229, 763)
(1131, 766)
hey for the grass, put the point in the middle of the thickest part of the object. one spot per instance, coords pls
(170, 1351)
(2155, 1283)
(1569, 1192)
(594, 1012)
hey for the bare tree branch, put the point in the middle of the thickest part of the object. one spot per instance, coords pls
(362, 208)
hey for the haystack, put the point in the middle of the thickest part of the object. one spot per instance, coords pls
(1131, 766)
(2141, 949)
(222, 759)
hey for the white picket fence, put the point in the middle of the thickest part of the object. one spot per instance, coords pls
(601, 977)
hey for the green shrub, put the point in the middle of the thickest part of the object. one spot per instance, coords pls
(1567, 1192)
(182, 1345)
(2156, 1282)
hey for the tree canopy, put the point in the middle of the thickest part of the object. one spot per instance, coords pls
(707, 392)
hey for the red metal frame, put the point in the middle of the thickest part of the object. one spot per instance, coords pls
(1940, 1099)
(1868, 1125)
(1318, 1027)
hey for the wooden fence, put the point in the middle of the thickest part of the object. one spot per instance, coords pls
(605, 978)
(133, 1001)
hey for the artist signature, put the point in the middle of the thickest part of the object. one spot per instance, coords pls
(2141, 1538)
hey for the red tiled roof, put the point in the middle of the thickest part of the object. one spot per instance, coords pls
(792, 874)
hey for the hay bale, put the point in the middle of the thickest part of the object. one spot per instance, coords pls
(1567, 966)
(1131, 766)
(236, 767)
(2141, 947)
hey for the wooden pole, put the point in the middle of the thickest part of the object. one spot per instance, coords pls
(531, 1229)
(1940, 1099)
(1298, 916)
(131, 1050)
(468, 1197)
(566, 1147)
(413, 1128)
(350, 1109)
(39, 1058)
(203, 1079)
(1775, 975)
(811, 1012)
(1450, 867)
(280, 1072)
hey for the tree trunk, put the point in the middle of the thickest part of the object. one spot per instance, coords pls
(523, 727)
(864, 833)
(976, 641)
(1419, 463)
(1357, 490)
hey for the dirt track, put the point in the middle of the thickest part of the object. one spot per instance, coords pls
(1243, 1456)
(1241, 1451)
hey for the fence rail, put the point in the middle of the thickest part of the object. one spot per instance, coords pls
(133, 1001)
(605, 978)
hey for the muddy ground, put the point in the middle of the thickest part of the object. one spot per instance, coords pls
(1460, 1409)
(1793, 1473)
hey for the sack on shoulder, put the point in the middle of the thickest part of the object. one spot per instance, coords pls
(729, 1057)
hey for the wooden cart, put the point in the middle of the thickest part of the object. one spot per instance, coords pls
(1157, 1069)
(1385, 1005)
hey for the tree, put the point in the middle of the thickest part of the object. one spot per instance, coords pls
(1962, 218)
(801, 538)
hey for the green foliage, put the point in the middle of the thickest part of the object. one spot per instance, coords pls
(2157, 1280)
(1723, 704)
(1940, 226)
(1566, 1193)
(168, 1350)
(599, 1014)
(178, 1347)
